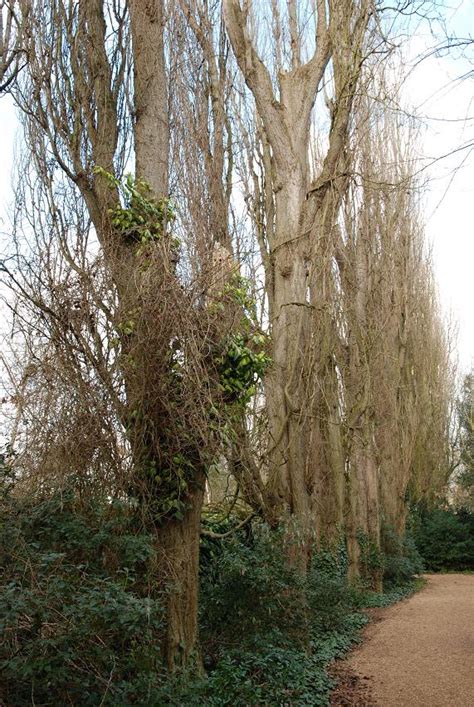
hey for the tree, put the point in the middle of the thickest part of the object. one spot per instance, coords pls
(11, 42)
(304, 211)
(465, 478)
(113, 325)
(142, 346)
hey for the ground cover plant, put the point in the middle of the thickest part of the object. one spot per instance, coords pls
(78, 623)
(82, 621)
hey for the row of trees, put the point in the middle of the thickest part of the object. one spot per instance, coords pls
(253, 314)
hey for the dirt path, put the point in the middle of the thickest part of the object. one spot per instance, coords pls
(419, 654)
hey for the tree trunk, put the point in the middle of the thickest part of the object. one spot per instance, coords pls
(151, 127)
(285, 390)
(179, 543)
(178, 539)
(302, 215)
(364, 515)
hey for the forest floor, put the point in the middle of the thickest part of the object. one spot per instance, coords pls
(418, 653)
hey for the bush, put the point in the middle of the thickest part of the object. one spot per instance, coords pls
(80, 625)
(257, 615)
(77, 626)
(249, 592)
(330, 596)
(270, 676)
(401, 558)
(445, 538)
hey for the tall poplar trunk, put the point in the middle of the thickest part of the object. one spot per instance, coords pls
(363, 483)
(363, 523)
(286, 126)
(177, 540)
(330, 491)
(302, 217)
(286, 394)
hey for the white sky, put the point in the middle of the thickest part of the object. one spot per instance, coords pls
(8, 131)
(448, 106)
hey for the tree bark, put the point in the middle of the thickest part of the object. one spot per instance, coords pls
(179, 544)
(177, 539)
(151, 125)
(77, 73)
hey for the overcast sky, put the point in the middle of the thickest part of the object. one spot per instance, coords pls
(445, 101)
(447, 106)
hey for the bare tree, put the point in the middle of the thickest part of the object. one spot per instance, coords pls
(355, 227)
(12, 55)
(304, 209)
(114, 312)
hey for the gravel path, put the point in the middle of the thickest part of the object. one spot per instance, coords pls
(420, 653)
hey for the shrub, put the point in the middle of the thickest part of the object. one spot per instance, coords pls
(445, 538)
(77, 625)
(257, 615)
(330, 597)
(249, 591)
(270, 676)
(80, 625)
(401, 558)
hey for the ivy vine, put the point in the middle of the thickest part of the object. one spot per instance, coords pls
(244, 358)
(242, 364)
(140, 218)
(240, 359)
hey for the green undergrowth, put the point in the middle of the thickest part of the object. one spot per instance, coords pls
(268, 636)
(445, 538)
(78, 623)
(393, 595)
(82, 622)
